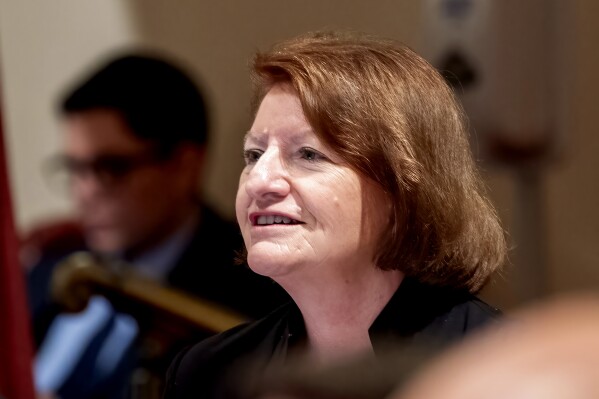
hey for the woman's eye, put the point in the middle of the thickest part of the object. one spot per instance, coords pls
(310, 154)
(252, 156)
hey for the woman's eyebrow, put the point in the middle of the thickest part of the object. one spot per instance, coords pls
(300, 136)
(254, 137)
(295, 137)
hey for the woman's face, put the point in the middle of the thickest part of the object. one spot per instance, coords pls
(301, 209)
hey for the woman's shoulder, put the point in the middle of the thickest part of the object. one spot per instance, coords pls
(199, 369)
(457, 314)
(427, 312)
(471, 313)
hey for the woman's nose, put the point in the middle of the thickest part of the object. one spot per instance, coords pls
(268, 177)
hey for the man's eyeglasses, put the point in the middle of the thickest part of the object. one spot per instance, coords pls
(108, 169)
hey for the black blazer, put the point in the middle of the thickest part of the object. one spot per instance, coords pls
(416, 314)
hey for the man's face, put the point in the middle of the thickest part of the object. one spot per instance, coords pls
(127, 197)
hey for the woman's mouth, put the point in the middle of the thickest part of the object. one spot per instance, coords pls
(267, 220)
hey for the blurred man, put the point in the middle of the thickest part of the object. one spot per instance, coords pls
(135, 135)
(546, 350)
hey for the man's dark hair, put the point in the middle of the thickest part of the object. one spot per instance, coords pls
(158, 100)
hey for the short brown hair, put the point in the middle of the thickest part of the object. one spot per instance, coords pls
(390, 115)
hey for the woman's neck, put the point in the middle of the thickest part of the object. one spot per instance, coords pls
(339, 312)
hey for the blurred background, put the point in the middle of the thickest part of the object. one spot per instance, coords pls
(526, 72)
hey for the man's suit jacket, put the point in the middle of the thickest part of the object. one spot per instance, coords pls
(206, 268)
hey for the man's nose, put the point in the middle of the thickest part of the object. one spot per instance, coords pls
(268, 177)
(85, 185)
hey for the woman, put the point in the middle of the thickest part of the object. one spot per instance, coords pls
(361, 199)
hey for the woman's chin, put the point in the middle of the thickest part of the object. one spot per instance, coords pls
(270, 264)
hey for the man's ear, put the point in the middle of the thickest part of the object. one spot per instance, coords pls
(189, 161)
(192, 156)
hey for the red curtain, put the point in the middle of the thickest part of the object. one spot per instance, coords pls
(15, 336)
